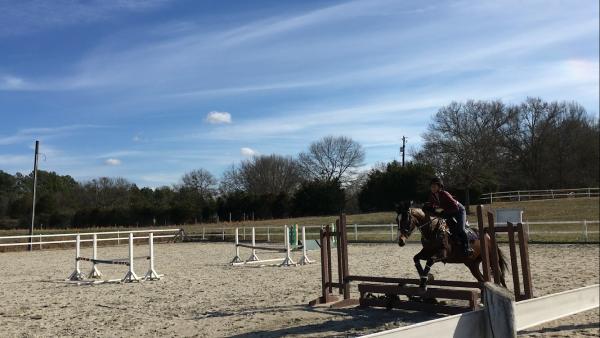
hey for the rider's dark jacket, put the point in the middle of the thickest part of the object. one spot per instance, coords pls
(445, 201)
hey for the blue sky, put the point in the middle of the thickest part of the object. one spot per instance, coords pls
(148, 90)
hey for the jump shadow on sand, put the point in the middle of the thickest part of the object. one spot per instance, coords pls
(356, 321)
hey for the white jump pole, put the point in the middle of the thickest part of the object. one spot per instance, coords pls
(130, 276)
(151, 274)
(77, 275)
(95, 273)
(253, 256)
(237, 258)
(304, 260)
(288, 261)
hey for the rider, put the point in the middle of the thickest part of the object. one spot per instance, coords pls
(450, 208)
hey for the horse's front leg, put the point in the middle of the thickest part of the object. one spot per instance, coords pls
(422, 273)
(425, 274)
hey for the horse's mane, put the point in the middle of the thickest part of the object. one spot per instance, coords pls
(435, 221)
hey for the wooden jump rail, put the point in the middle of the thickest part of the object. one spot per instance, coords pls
(471, 291)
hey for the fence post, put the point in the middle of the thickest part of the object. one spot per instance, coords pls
(585, 231)
(519, 196)
(118, 237)
(589, 192)
(491, 198)
(355, 232)
(392, 230)
(268, 233)
(223, 233)
(203, 232)
(552, 192)
(244, 233)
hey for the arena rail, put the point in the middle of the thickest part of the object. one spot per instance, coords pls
(176, 233)
(581, 231)
(526, 195)
(528, 313)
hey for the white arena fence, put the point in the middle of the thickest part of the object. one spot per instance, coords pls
(527, 314)
(527, 195)
(40, 241)
(539, 231)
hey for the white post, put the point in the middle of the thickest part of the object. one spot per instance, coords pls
(288, 255)
(95, 273)
(253, 257)
(589, 192)
(519, 196)
(304, 260)
(392, 230)
(585, 231)
(130, 276)
(244, 234)
(355, 232)
(223, 233)
(77, 275)
(151, 274)
(237, 258)
(203, 232)
(268, 234)
(118, 237)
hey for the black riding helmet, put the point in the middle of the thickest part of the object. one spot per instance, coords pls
(438, 181)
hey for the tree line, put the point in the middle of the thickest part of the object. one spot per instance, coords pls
(475, 146)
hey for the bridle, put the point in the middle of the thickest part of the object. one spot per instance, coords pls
(407, 231)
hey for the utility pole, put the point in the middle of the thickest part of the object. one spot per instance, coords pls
(35, 167)
(403, 149)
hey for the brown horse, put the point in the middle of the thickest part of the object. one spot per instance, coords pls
(437, 244)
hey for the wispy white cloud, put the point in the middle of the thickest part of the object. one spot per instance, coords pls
(248, 152)
(9, 82)
(112, 161)
(218, 117)
(21, 17)
(31, 134)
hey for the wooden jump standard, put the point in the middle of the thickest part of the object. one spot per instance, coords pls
(461, 290)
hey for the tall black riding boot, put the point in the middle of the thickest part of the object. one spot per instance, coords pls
(467, 250)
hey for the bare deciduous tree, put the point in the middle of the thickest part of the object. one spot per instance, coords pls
(332, 158)
(463, 142)
(201, 181)
(269, 174)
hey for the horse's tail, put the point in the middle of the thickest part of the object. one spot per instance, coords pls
(503, 267)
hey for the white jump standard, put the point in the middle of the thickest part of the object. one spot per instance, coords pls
(130, 276)
(287, 248)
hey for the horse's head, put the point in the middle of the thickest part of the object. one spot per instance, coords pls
(405, 221)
